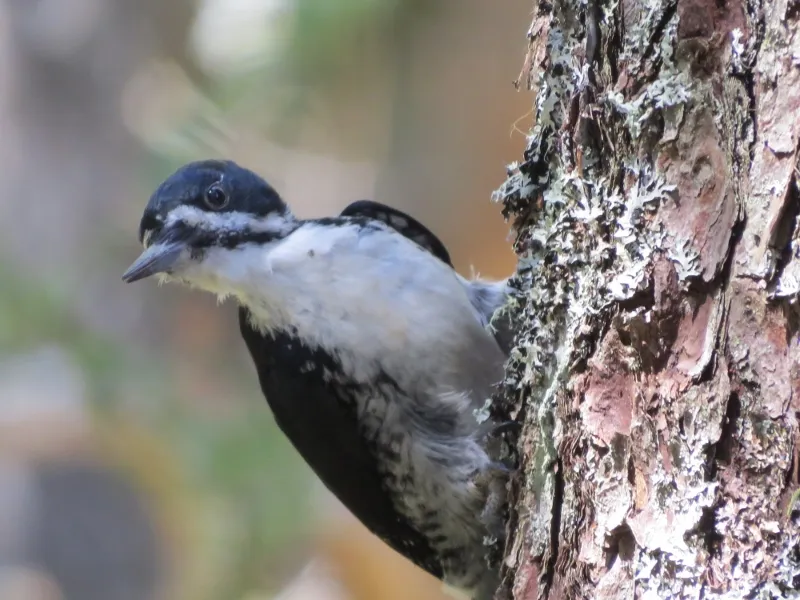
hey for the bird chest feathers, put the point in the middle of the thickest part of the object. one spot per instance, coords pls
(372, 297)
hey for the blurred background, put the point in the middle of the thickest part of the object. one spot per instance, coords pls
(138, 460)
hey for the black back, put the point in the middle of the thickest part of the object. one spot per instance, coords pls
(318, 419)
(402, 223)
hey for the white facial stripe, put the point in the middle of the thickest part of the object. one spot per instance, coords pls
(230, 221)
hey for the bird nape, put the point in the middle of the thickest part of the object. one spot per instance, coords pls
(372, 352)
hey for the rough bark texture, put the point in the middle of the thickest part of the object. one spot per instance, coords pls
(657, 367)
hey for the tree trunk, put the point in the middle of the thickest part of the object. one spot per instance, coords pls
(657, 366)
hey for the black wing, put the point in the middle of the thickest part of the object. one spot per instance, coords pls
(324, 431)
(400, 222)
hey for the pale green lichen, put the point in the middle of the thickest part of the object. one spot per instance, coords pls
(639, 34)
(787, 286)
(739, 56)
(482, 414)
(686, 259)
(670, 90)
(562, 295)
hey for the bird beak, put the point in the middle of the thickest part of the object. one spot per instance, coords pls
(160, 257)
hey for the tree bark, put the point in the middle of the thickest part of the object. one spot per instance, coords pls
(657, 363)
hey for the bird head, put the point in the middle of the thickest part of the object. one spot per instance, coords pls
(201, 211)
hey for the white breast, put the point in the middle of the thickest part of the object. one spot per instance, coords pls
(372, 295)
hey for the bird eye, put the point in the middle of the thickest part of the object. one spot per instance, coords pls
(216, 198)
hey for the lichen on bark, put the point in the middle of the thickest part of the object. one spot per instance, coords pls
(656, 370)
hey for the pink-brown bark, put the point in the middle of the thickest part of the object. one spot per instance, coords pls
(657, 369)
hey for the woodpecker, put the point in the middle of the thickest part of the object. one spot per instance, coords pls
(373, 353)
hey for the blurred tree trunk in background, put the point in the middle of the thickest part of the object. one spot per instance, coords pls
(69, 165)
(455, 113)
(70, 172)
(657, 371)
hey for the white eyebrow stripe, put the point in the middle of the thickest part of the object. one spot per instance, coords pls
(231, 221)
